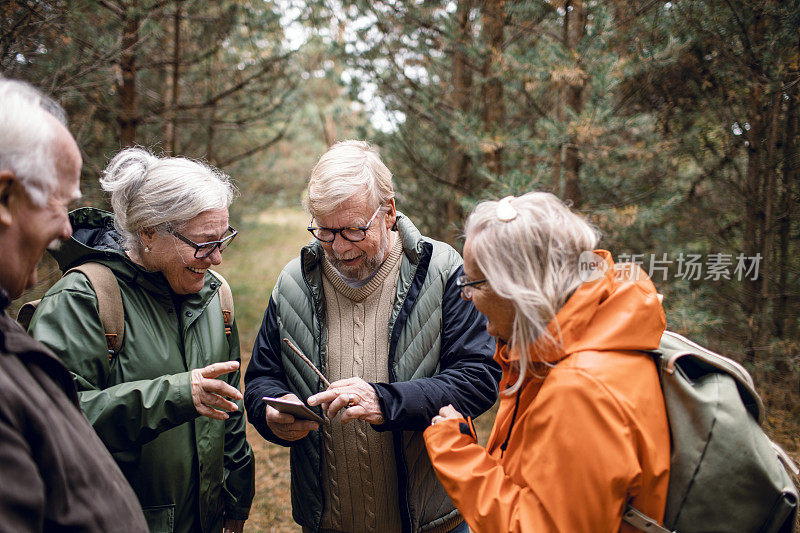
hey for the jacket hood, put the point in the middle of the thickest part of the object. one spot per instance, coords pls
(94, 238)
(619, 311)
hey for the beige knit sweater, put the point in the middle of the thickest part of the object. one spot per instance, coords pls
(359, 473)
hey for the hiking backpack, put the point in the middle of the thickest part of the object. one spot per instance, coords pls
(109, 304)
(726, 475)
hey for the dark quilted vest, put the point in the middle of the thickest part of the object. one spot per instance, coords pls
(413, 353)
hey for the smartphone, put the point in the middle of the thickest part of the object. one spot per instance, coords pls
(296, 409)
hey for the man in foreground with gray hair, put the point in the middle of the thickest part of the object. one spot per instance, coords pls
(376, 307)
(56, 473)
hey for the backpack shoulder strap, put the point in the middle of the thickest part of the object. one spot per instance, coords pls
(109, 303)
(225, 301)
(26, 312)
(642, 522)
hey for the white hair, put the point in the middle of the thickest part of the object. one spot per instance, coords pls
(161, 193)
(348, 169)
(532, 259)
(27, 133)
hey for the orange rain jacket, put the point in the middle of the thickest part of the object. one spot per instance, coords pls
(586, 439)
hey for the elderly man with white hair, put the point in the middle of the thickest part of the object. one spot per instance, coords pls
(56, 473)
(375, 306)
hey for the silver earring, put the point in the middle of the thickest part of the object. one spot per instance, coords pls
(147, 249)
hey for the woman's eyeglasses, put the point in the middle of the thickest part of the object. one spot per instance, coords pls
(204, 249)
(463, 283)
(352, 234)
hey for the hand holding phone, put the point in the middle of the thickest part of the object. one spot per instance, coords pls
(293, 407)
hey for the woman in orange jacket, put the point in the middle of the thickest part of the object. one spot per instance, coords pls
(581, 429)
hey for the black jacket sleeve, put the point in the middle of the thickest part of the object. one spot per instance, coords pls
(265, 375)
(468, 375)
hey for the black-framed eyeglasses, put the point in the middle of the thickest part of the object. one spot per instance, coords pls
(352, 234)
(204, 249)
(463, 283)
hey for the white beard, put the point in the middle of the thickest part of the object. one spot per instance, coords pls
(364, 271)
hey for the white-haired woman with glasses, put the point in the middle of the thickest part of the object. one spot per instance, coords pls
(166, 403)
(581, 429)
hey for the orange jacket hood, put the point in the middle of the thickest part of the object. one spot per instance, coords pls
(620, 311)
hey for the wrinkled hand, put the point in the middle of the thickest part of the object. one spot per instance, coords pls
(448, 411)
(287, 427)
(209, 394)
(354, 397)
(233, 526)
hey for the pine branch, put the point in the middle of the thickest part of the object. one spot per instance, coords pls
(117, 10)
(255, 149)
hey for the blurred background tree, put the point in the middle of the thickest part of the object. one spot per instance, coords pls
(722, 79)
(212, 80)
(673, 125)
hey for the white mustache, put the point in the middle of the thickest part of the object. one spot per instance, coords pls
(345, 258)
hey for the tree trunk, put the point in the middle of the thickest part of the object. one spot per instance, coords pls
(560, 102)
(211, 129)
(458, 162)
(770, 169)
(555, 176)
(791, 162)
(751, 301)
(576, 30)
(170, 141)
(211, 124)
(328, 128)
(126, 87)
(493, 105)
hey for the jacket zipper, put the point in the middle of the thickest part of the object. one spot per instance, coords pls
(511, 427)
(321, 363)
(393, 379)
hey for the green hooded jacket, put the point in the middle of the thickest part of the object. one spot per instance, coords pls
(189, 471)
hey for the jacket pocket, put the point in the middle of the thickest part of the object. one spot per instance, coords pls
(160, 518)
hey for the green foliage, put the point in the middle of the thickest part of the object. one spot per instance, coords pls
(721, 79)
(668, 123)
(219, 87)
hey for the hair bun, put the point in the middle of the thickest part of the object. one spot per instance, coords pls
(124, 176)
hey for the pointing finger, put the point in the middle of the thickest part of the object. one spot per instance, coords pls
(217, 369)
(322, 397)
(344, 383)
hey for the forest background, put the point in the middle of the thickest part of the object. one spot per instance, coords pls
(672, 125)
